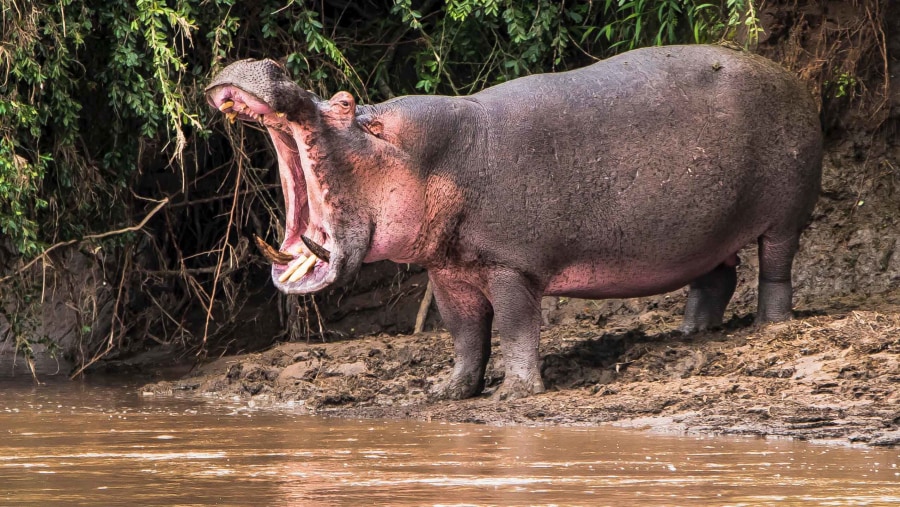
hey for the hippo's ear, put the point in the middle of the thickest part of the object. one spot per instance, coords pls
(371, 125)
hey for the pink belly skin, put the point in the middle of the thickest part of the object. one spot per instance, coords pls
(601, 282)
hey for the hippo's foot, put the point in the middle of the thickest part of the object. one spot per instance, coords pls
(695, 327)
(515, 387)
(458, 387)
(708, 297)
(774, 302)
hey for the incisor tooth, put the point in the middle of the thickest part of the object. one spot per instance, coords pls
(303, 269)
(226, 105)
(231, 116)
(290, 270)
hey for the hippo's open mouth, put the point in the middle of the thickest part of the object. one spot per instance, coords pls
(306, 261)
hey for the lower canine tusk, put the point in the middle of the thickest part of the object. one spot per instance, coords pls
(267, 251)
(317, 249)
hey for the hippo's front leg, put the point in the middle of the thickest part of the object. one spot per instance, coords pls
(467, 314)
(517, 305)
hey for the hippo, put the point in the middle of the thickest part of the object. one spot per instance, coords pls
(633, 176)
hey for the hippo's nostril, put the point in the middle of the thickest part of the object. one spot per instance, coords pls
(317, 249)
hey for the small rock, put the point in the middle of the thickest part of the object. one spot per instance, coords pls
(234, 372)
(351, 369)
(886, 439)
(303, 370)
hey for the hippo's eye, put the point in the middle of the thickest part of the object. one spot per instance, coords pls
(344, 103)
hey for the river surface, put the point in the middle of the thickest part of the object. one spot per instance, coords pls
(101, 443)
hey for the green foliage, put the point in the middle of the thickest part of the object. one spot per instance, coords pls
(84, 85)
(20, 180)
(843, 85)
(144, 71)
(476, 43)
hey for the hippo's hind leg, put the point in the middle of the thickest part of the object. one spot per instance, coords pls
(776, 256)
(709, 296)
(467, 314)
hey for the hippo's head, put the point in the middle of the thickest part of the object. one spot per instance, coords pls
(340, 178)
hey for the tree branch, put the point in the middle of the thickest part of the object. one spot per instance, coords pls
(46, 252)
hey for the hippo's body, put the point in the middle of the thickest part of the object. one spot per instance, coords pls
(633, 176)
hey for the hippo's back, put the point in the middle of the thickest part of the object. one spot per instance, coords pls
(666, 158)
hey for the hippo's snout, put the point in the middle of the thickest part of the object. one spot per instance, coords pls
(264, 87)
(248, 71)
(311, 256)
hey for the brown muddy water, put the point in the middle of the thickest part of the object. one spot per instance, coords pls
(100, 443)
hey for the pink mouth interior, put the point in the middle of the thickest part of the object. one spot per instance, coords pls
(299, 219)
(296, 198)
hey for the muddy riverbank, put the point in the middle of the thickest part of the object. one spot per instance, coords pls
(830, 374)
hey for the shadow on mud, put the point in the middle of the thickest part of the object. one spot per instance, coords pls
(600, 360)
